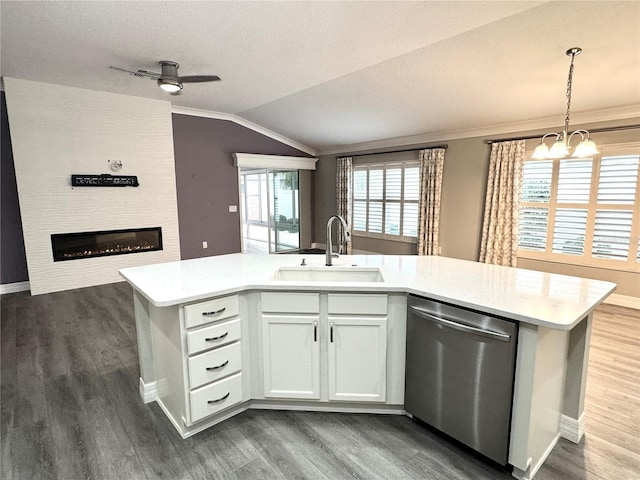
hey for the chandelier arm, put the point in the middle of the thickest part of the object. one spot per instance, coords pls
(558, 135)
(579, 132)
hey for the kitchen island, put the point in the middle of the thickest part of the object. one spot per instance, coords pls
(217, 335)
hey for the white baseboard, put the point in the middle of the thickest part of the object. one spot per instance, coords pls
(148, 391)
(572, 429)
(623, 301)
(14, 287)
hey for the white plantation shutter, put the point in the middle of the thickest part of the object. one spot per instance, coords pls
(385, 200)
(410, 220)
(618, 180)
(617, 186)
(536, 181)
(574, 181)
(412, 182)
(569, 231)
(360, 199)
(392, 219)
(532, 234)
(612, 234)
(583, 211)
(393, 191)
(375, 217)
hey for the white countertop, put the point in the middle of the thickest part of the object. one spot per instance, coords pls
(550, 300)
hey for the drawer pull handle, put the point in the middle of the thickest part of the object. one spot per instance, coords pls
(331, 331)
(213, 339)
(219, 399)
(215, 312)
(315, 331)
(218, 367)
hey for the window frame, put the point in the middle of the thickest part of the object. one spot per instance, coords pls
(632, 263)
(384, 165)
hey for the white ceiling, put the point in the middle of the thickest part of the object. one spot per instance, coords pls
(332, 75)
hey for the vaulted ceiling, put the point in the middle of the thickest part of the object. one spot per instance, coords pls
(332, 75)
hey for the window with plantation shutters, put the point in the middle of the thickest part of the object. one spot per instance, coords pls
(385, 200)
(583, 211)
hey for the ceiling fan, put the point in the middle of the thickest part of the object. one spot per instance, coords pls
(169, 80)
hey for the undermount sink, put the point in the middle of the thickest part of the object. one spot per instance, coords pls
(328, 274)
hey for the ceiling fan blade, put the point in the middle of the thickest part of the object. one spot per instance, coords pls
(199, 78)
(138, 73)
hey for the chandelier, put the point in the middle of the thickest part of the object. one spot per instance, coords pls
(562, 143)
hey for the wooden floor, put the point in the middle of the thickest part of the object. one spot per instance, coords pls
(70, 410)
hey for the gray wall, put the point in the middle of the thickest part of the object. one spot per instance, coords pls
(207, 181)
(463, 195)
(13, 263)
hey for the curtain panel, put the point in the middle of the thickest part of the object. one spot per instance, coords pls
(431, 169)
(344, 197)
(499, 244)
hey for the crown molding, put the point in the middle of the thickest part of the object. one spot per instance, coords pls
(245, 123)
(512, 129)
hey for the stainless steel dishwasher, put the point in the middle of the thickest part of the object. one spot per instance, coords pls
(460, 372)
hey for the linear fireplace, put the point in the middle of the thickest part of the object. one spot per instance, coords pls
(74, 246)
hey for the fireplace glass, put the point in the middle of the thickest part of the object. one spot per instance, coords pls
(74, 246)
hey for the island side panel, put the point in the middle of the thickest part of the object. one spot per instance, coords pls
(148, 387)
(576, 382)
(538, 397)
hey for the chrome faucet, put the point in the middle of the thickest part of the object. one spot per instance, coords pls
(345, 231)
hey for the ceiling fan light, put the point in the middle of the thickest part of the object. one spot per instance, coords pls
(586, 148)
(558, 150)
(540, 152)
(170, 87)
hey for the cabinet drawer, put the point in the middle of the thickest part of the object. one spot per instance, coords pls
(358, 303)
(214, 335)
(210, 366)
(205, 312)
(285, 302)
(212, 398)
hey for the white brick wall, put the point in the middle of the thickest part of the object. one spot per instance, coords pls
(57, 131)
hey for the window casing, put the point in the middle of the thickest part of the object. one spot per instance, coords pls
(583, 211)
(385, 200)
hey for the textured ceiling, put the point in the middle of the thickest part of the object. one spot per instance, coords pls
(336, 74)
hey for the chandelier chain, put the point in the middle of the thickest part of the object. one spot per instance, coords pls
(569, 85)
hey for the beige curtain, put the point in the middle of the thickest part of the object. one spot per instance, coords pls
(431, 168)
(344, 198)
(499, 244)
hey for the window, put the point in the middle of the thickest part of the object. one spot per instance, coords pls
(385, 200)
(583, 211)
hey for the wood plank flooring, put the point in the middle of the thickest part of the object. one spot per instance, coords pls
(70, 410)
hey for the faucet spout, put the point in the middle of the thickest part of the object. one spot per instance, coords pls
(346, 237)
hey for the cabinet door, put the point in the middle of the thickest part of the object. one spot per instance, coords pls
(291, 356)
(357, 359)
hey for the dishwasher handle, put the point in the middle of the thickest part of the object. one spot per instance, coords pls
(460, 326)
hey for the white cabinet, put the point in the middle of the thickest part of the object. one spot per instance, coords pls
(291, 356)
(347, 333)
(290, 345)
(357, 359)
(357, 354)
(198, 360)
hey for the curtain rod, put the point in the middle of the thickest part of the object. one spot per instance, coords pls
(445, 146)
(594, 130)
